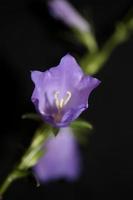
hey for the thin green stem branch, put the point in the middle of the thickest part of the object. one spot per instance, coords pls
(92, 63)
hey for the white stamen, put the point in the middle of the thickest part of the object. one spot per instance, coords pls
(68, 97)
(56, 99)
(60, 103)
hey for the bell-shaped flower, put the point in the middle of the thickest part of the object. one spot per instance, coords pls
(61, 158)
(61, 93)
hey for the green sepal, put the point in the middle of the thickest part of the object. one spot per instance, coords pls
(55, 131)
(80, 123)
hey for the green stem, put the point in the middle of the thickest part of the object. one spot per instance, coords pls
(93, 63)
(89, 40)
(29, 159)
(15, 174)
(10, 178)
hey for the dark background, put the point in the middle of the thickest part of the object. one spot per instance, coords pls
(31, 39)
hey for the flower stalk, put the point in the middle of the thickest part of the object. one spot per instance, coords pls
(88, 40)
(29, 159)
(15, 174)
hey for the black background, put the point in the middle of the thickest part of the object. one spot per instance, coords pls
(31, 39)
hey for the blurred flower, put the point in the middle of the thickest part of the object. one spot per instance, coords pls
(63, 10)
(61, 93)
(61, 159)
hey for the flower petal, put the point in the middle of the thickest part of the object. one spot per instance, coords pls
(67, 74)
(37, 98)
(81, 93)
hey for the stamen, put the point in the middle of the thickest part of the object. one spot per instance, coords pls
(60, 103)
(68, 97)
(57, 102)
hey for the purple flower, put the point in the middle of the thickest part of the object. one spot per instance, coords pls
(63, 10)
(61, 93)
(61, 159)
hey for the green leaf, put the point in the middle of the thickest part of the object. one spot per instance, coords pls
(20, 173)
(33, 158)
(32, 116)
(81, 130)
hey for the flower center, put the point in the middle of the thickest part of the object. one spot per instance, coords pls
(60, 103)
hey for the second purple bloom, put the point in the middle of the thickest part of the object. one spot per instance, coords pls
(61, 159)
